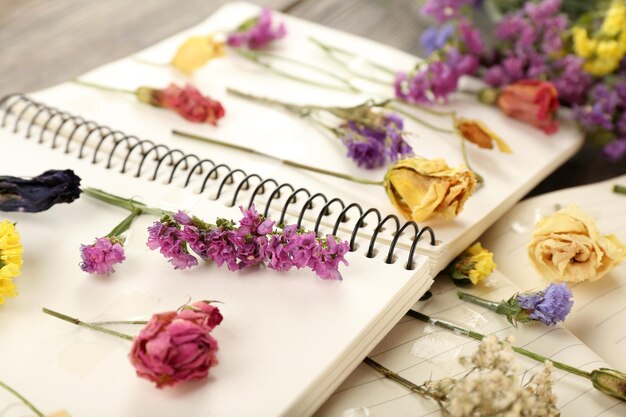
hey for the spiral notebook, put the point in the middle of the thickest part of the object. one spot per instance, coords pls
(288, 340)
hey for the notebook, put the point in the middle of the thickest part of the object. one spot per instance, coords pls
(288, 340)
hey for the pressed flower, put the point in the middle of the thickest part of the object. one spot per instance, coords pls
(549, 306)
(196, 52)
(257, 32)
(38, 193)
(479, 134)
(474, 263)
(100, 256)
(10, 259)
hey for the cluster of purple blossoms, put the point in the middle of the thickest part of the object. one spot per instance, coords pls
(549, 306)
(444, 10)
(528, 40)
(257, 32)
(253, 242)
(371, 145)
(100, 256)
(604, 117)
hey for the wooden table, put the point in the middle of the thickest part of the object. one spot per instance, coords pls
(45, 42)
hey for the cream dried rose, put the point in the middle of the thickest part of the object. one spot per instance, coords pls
(426, 189)
(568, 246)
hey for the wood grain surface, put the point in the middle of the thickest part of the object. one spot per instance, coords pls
(45, 42)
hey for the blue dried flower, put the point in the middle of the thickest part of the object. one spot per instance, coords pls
(39, 193)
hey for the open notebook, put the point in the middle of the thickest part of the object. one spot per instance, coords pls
(288, 340)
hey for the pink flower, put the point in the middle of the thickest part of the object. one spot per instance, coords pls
(177, 346)
(257, 32)
(531, 101)
(100, 256)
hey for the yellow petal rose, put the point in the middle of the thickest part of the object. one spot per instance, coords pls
(568, 246)
(424, 189)
(195, 52)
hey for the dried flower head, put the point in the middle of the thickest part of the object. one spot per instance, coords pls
(474, 263)
(100, 256)
(196, 52)
(39, 193)
(479, 134)
(257, 32)
(10, 259)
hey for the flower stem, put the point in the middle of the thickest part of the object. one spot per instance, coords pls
(104, 87)
(293, 108)
(253, 57)
(125, 224)
(388, 373)
(420, 121)
(619, 189)
(479, 178)
(22, 399)
(479, 336)
(331, 48)
(283, 161)
(426, 109)
(107, 323)
(87, 325)
(478, 301)
(125, 203)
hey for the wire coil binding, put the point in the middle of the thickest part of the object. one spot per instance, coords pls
(151, 159)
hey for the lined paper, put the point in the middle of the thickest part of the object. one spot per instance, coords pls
(599, 311)
(420, 352)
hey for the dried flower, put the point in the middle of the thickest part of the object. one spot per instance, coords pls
(100, 256)
(610, 382)
(38, 193)
(474, 263)
(445, 10)
(257, 32)
(478, 133)
(196, 52)
(187, 101)
(434, 38)
(166, 236)
(567, 246)
(175, 347)
(549, 306)
(10, 259)
(424, 189)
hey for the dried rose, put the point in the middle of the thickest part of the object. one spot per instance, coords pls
(424, 189)
(479, 134)
(177, 346)
(568, 246)
(531, 101)
(39, 193)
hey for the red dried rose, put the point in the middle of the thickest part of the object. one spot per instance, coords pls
(531, 101)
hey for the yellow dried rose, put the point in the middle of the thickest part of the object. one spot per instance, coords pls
(196, 51)
(568, 246)
(424, 189)
(479, 134)
(474, 263)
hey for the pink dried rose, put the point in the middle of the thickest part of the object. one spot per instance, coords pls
(177, 346)
(187, 101)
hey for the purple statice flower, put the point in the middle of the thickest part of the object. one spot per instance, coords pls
(445, 10)
(327, 265)
(166, 236)
(372, 142)
(570, 80)
(600, 111)
(549, 306)
(621, 123)
(257, 32)
(471, 38)
(100, 256)
(435, 38)
(615, 150)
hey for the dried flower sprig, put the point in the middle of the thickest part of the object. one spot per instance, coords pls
(407, 182)
(549, 306)
(10, 259)
(39, 193)
(187, 101)
(608, 381)
(257, 32)
(173, 347)
(29, 404)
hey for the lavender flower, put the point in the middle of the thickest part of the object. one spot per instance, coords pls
(435, 38)
(549, 306)
(600, 111)
(100, 256)
(615, 150)
(445, 10)
(257, 32)
(38, 193)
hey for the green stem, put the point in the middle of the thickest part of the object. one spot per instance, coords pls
(125, 224)
(252, 57)
(619, 189)
(388, 373)
(107, 323)
(478, 301)
(87, 325)
(104, 87)
(331, 48)
(293, 108)
(479, 336)
(125, 203)
(283, 161)
(426, 109)
(420, 121)
(479, 178)
(22, 399)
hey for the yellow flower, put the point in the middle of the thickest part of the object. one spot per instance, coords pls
(583, 46)
(427, 189)
(479, 134)
(568, 246)
(609, 50)
(196, 51)
(10, 259)
(600, 67)
(615, 19)
(475, 263)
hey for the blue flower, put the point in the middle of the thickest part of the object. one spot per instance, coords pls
(38, 193)
(435, 38)
(549, 306)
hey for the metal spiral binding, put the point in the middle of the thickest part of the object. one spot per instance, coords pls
(40, 117)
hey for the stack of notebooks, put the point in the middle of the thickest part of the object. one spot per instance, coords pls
(288, 340)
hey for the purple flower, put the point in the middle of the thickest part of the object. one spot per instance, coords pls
(549, 306)
(570, 80)
(599, 113)
(327, 265)
(257, 32)
(166, 236)
(471, 38)
(615, 150)
(435, 38)
(100, 256)
(444, 10)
